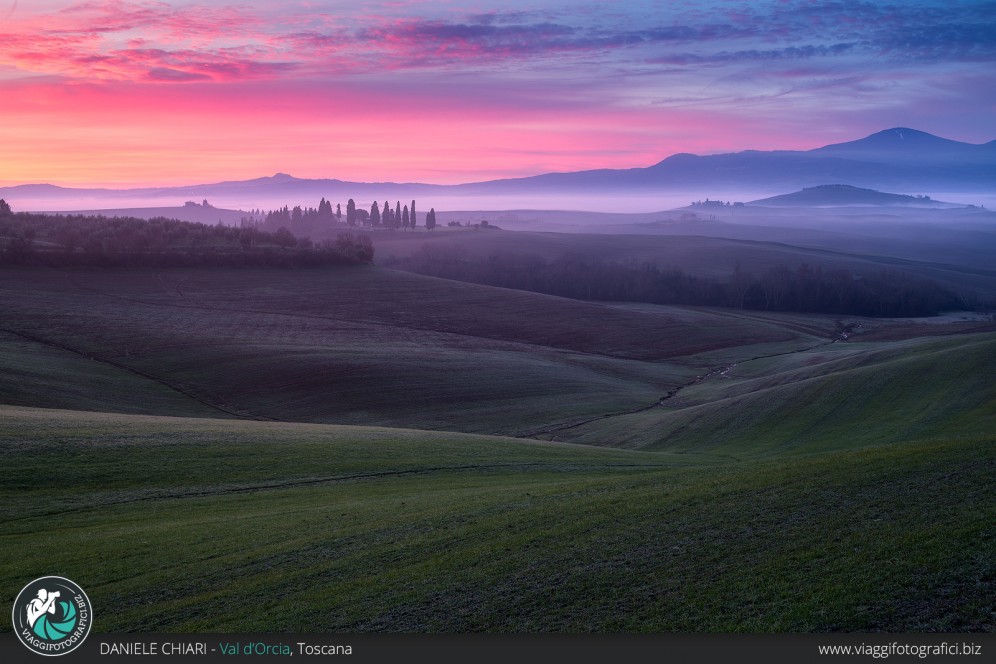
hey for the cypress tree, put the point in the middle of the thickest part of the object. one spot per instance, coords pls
(351, 212)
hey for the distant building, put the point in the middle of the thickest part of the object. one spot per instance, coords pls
(709, 204)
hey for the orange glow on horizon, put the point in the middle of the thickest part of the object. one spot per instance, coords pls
(145, 135)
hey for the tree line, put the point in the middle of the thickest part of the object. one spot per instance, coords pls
(78, 240)
(314, 220)
(803, 288)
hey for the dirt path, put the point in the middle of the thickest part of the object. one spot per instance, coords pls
(840, 335)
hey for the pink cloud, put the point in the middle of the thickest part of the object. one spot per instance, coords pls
(177, 43)
(108, 16)
(108, 90)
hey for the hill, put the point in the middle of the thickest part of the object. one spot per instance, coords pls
(364, 346)
(843, 194)
(786, 479)
(960, 260)
(811, 401)
(346, 529)
(195, 213)
(343, 345)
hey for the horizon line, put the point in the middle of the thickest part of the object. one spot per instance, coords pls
(123, 186)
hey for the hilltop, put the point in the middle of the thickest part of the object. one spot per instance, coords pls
(845, 194)
(191, 212)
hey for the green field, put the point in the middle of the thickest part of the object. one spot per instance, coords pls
(841, 396)
(365, 450)
(186, 525)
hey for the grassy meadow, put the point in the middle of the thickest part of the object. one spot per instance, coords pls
(359, 449)
(190, 524)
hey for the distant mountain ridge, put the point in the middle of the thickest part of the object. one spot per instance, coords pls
(911, 144)
(898, 159)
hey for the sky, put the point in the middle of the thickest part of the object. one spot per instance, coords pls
(134, 92)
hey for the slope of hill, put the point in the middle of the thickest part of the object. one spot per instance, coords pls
(962, 261)
(345, 529)
(193, 213)
(356, 346)
(787, 483)
(842, 396)
(843, 194)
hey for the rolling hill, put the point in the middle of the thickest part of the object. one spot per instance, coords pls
(352, 529)
(351, 346)
(808, 402)
(844, 195)
(195, 431)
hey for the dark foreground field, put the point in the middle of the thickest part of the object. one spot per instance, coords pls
(737, 472)
(189, 524)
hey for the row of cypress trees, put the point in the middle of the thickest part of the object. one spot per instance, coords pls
(399, 217)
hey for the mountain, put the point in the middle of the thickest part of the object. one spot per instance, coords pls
(836, 195)
(910, 145)
(893, 159)
(898, 159)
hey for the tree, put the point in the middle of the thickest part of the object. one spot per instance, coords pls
(338, 212)
(351, 212)
(297, 214)
(412, 218)
(374, 214)
(388, 217)
(397, 215)
(284, 237)
(404, 217)
(5, 210)
(430, 219)
(740, 284)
